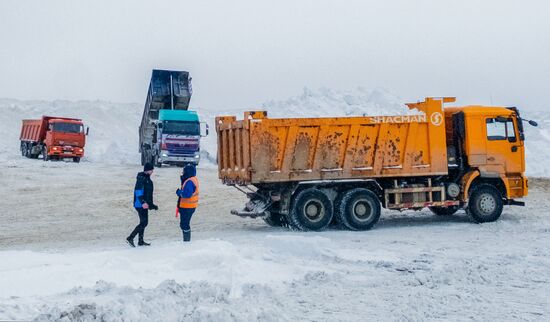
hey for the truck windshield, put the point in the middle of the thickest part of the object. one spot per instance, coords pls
(67, 127)
(179, 127)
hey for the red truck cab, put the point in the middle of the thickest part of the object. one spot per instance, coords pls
(53, 138)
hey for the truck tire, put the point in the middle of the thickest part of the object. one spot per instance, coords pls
(45, 156)
(444, 211)
(23, 149)
(144, 157)
(76, 159)
(156, 162)
(274, 219)
(32, 155)
(311, 210)
(358, 209)
(485, 204)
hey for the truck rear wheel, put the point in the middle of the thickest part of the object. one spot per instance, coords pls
(76, 159)
(359, 209)
(444, 211)
(274, 219)
(311, 210)
(45, 156)
(485, 204)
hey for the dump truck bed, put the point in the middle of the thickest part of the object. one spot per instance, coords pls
(262, 150)
(35, 130)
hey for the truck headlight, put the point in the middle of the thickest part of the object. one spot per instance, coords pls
(164, 155)
(197, 156)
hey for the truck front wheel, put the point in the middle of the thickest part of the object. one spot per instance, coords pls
(155, 162)
(359, 209)
(311, 210)
(485, 204)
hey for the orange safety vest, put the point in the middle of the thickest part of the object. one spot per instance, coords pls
(193, 201)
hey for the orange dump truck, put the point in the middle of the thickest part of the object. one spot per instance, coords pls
(54, 138)
(309, 172)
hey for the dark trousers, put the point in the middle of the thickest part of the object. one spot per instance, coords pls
(143, 221)
(185, 218)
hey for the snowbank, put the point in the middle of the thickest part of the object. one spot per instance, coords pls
(114, 127)
(415, 268)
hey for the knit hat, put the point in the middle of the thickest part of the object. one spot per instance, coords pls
(148, 166)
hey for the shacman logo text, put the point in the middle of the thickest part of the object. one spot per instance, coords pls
(436, 119)
(398, 119)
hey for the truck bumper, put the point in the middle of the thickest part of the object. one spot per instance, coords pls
(66, 152)
(179, 159)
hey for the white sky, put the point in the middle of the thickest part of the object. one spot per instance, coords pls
(242, 53)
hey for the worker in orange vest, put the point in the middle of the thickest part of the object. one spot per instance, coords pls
(188, 199)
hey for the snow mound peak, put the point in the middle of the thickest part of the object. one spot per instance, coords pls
(327, 102)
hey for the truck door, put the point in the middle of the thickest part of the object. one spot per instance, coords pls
(504, 148)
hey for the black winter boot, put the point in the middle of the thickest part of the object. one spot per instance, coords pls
(142, 243)
(186, 236)
(130, 241)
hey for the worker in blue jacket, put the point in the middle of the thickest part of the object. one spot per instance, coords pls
(143, 201)
(188, 199)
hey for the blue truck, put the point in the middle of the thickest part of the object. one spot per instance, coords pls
(169, 133)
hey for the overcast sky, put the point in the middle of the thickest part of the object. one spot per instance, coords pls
(242, 53)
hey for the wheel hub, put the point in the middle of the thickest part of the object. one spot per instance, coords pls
(314, 210)
(362, 210)
(487, 203)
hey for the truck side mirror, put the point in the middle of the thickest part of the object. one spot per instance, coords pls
(533, 123)
(204, 129)
(160, 125)
(87, 130)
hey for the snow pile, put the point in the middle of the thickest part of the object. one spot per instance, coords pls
(391, 273)
(326, 102)
(537, 144)
(169, 301)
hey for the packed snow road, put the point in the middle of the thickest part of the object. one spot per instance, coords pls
(62, 255)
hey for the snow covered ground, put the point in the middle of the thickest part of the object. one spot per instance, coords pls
(63, 256)
(67, 258)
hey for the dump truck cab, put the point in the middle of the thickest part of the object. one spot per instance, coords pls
(491, 146)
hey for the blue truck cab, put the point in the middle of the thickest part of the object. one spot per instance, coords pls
(178, 137)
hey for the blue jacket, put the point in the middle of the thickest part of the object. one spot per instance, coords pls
(143, 190)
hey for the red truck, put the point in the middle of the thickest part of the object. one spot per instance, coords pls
(54, 138)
